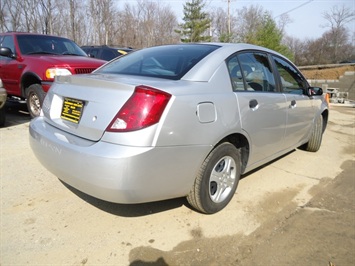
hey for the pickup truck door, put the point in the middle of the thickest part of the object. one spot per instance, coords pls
(10, 68)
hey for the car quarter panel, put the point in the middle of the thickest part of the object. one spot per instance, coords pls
(182, 124)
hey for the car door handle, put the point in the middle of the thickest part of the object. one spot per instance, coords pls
(293, 104)
(253, 104)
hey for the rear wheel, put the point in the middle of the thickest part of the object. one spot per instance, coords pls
(217, 180)
(35, 96)
(315, 140)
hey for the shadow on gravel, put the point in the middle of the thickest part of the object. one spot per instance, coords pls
(158, 262)
(319, 233)
(143, 209)
(267, 164)
(130, 210)
(15, 114)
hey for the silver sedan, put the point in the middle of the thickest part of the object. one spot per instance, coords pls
(177, 120)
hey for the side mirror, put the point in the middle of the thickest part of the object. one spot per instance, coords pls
(314, 91)
(5, 51)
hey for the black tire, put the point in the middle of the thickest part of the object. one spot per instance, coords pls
(217, 179)
(315, 140)
(35, 96)
(2, 116)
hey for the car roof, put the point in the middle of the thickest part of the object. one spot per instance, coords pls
(30, 33)
(205, 67)
(214, 59)
(243, 46)
(107, 46)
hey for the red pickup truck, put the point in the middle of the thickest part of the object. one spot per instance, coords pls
(29, 62)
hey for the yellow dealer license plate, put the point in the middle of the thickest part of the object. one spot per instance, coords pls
(72, 110)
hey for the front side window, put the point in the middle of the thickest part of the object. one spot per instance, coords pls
(170, 62)
(291, 79)
(94, 52)
(8, 42)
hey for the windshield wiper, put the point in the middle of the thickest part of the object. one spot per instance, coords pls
(40, 53)
(68, 53)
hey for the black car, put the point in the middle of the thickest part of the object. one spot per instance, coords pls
(349, 61)
(105, 52)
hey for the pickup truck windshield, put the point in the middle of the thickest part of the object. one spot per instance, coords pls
(45, 44)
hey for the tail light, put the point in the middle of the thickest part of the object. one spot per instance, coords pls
(143, 109)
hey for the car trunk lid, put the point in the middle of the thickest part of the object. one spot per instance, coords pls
(80, 104)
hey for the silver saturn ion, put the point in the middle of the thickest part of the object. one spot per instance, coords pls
(177, 120)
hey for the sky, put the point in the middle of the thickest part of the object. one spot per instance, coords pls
(306, 15)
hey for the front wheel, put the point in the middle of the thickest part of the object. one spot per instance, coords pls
(217, 179)
(315, 140)
(35, 96)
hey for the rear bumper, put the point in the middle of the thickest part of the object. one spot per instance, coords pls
(116, 173)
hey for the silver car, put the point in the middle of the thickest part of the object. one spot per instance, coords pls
(177, 120)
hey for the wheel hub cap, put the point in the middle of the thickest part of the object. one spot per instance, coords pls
(222, 179)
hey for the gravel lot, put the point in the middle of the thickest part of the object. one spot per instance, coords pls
(297, 210)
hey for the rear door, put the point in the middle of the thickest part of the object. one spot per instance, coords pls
(300, 112)
(263, 109)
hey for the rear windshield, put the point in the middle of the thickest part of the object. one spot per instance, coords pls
(46, 44)
(170, 62)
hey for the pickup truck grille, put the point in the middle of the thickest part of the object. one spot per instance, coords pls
(84, 70)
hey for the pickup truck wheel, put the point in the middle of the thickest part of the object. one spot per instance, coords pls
(315, 140)
(217, 179)
(35, 96)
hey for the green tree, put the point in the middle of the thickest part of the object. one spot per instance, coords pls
(270, 36)
(196, 23)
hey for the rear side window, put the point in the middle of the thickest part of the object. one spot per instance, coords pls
(251, 71)
(291, 79)
(170, 62)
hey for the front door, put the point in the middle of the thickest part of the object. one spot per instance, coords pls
(10, 68)
(300, 112)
